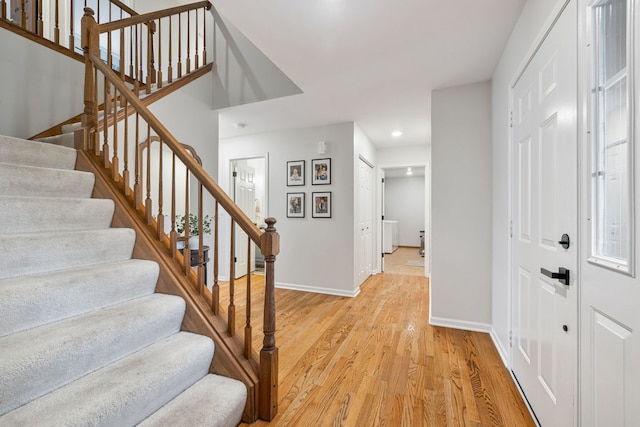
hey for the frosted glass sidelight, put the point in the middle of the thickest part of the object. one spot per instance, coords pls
(611, 185)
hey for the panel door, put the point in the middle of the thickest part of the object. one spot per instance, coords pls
(366, 220)
(544, 207)
(244, 196)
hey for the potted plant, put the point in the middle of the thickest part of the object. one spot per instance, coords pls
(194, 232)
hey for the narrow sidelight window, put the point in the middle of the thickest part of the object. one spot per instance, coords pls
(610, 130)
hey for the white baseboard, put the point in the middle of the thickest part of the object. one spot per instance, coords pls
(504, 354)
(318, 290)
(460, 324)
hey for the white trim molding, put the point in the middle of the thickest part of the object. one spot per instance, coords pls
(318, 290)
(460, 324)
(503, 352)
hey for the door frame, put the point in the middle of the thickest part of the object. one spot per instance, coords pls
(507, 354)
(380, 188)
(372, 211)
(264, 156)
(231, 189)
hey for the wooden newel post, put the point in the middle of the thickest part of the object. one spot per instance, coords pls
(270, 247)
(90, 37)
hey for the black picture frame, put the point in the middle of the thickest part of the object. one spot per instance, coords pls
(295, 205)
(295, 173)
(321, 204)
(321, 171)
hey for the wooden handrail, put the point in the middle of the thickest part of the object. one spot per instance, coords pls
(124, 7)
(263, 386)
(151, 16)
(225, 201)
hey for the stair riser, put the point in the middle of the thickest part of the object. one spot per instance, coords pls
(40, 360)
(127, 391)
(32, 253)
(31, 301)
(34, 214)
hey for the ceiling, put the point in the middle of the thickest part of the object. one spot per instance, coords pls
(374, 62)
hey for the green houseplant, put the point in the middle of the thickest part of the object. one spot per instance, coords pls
(193, 224)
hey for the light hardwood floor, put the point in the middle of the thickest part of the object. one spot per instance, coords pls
(396, 262)
(373, 360)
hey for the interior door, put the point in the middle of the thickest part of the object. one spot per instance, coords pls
(244, 197)
(381, 227)
(366, 220)
(610, 288)
(544, 209)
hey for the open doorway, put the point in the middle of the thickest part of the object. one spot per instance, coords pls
(248, 189)
(404, 232)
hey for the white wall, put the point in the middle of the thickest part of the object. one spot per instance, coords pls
(461, 207)
(187, 114)
(316, 254)
(405, 202)
(527, 31)
(29, 103)
(415, 155)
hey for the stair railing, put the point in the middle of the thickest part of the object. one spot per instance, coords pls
(158, 177)
(51, 20)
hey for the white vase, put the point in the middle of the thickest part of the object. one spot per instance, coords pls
(194, 241)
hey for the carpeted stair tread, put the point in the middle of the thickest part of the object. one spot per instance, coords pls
(39, 360)
(31, 253)
(32, 181)
(214, 401)
(31, 214)
(35, 300)
(71, 127)
(125, 392)
(64, 140)
(32, 153)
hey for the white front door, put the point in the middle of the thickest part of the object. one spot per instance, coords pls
(366, 220)
(610, 287)
(544, 208)
(244, 196)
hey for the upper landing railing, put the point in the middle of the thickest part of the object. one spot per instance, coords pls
(59, 21)
(151, 50)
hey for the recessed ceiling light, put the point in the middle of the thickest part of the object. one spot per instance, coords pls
(396, 133)
(409, 171)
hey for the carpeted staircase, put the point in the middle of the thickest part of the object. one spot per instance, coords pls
(84, 339)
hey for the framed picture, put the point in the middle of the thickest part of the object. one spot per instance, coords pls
(295, 173)
(295, 205)
(320, 171)
(321, 205)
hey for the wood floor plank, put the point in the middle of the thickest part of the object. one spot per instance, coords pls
(374, 360)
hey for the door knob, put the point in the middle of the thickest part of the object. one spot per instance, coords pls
(562, 275)
(565, 241)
